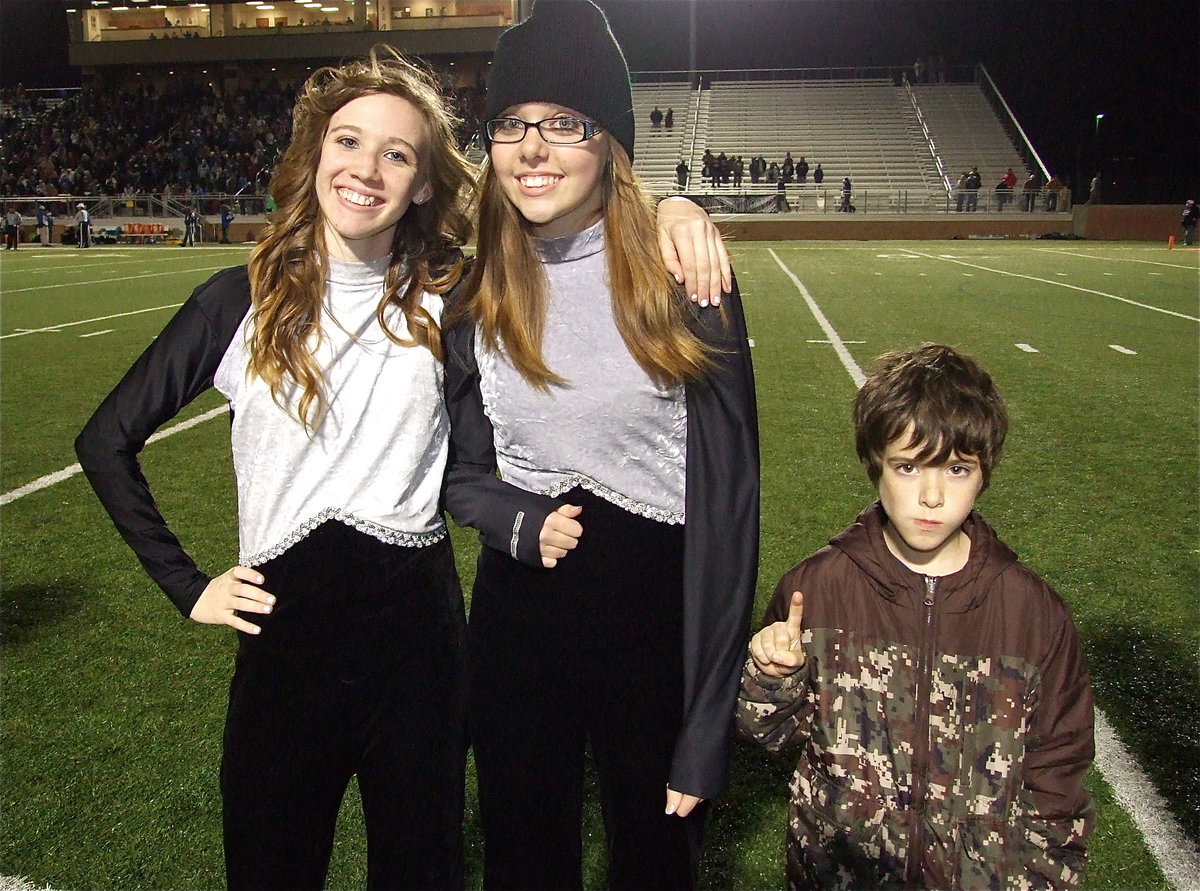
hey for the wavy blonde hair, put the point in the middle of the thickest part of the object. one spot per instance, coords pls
(288, 267)
(507, 286)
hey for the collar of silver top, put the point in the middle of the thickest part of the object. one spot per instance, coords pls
(571, 247)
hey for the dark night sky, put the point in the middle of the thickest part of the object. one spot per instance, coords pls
(1057, 62)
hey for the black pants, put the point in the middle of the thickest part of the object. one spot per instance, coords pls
(590, 651)
(12, 237)
(358, 671)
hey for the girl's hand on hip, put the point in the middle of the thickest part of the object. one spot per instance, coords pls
(235, 590)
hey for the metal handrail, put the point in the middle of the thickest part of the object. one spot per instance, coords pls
(937, 158)
(1012, 118)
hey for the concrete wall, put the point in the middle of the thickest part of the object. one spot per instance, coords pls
(1128, 222)
(1101, 223)
(832, 227)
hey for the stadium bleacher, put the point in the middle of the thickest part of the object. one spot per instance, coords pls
(869, 129)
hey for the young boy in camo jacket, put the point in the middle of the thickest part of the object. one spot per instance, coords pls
(935, 685)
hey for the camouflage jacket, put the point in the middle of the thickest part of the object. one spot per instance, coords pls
(945, 723)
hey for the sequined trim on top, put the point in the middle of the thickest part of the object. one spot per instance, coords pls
(674, 518)
(387, 536)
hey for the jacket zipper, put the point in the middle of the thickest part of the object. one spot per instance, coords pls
(916, 836)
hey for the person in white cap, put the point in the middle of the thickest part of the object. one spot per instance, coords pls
(83, 226)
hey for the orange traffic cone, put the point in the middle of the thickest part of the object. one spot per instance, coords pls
(1171, 242)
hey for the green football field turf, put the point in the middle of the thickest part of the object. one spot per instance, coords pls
(113, 704)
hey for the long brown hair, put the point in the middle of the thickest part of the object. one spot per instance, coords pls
(507, 285)
(288, 267)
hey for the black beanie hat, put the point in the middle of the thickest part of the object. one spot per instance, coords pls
(564, 54)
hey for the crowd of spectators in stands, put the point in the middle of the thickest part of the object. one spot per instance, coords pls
(186, 140)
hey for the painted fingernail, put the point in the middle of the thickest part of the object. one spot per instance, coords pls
(716, 301)
(678, 278)
(694, 298)
(704, 301)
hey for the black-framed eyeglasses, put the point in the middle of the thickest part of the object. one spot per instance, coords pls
(556, 131)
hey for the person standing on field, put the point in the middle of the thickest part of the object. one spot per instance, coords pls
(45, 225)
(12, 229)
(83, 226)
(620, 538)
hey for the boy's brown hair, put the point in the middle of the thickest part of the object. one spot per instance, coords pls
(947, 398)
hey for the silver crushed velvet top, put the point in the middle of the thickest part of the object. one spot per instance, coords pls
(611, 430)
(375, 461)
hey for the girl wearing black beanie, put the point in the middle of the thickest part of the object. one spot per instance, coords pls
(620, 538)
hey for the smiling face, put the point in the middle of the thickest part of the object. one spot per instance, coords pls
(372, 167)
(556, 188)
(926, 504)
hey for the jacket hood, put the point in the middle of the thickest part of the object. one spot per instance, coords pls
(863, 543)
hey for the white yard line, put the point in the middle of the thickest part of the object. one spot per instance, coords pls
(1112, 259)
(21, 332)
(1177, 856)
(123, 278)
(67, 472)
(1047, 281)
(839, 345)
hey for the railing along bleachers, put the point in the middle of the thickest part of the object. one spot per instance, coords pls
(968, 132)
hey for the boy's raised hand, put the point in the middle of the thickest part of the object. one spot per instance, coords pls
(776, 648)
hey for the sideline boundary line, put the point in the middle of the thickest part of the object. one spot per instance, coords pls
(67, 472)
(1046, 281)
(1176, 855)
